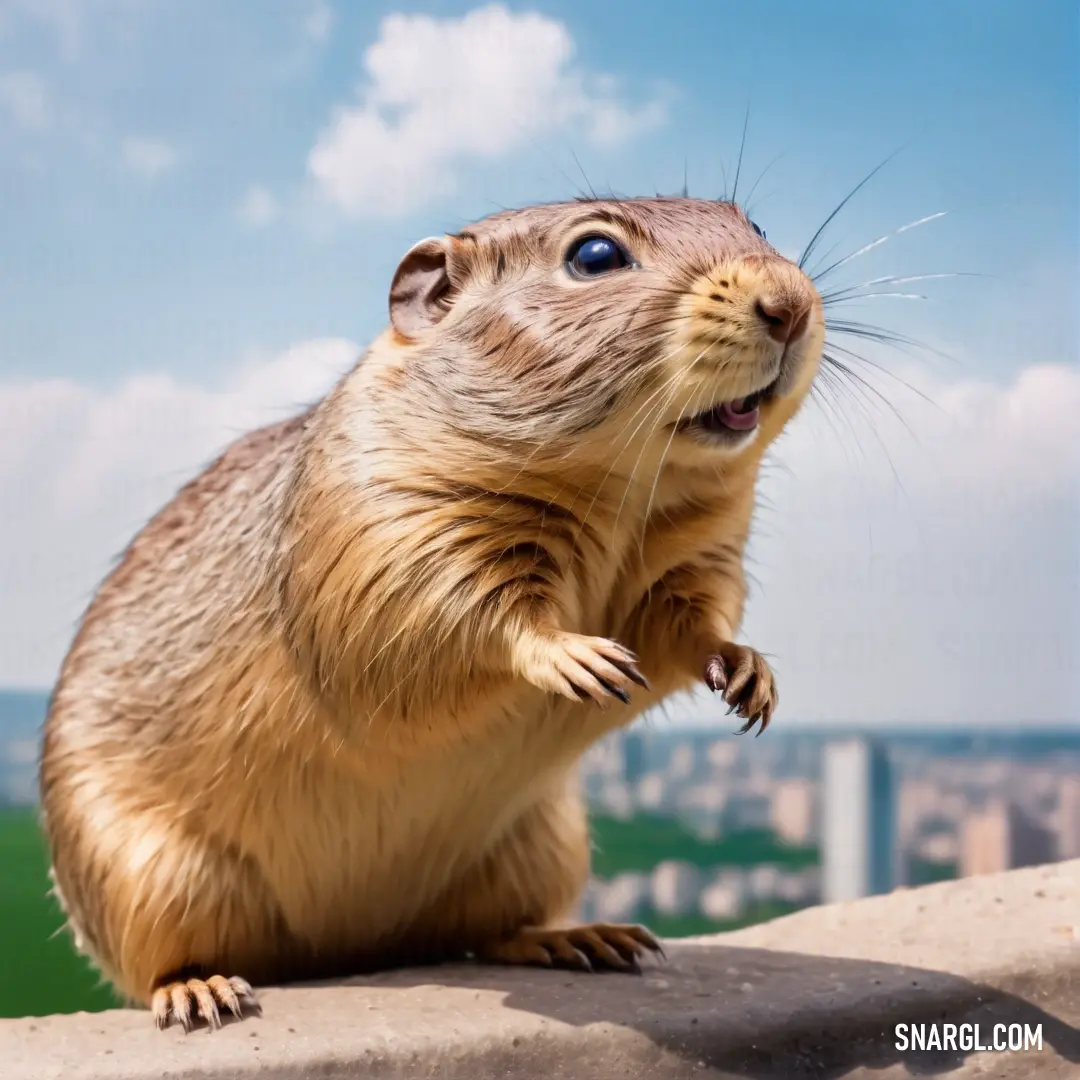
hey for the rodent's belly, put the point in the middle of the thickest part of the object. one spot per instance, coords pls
(353, 858)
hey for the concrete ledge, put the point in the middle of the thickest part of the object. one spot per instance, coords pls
(816, 994)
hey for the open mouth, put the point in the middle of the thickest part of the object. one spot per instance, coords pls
(730, 420)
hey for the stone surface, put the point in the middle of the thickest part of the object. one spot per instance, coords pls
(816, 994)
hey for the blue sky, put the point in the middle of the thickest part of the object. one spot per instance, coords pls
(201, 206)
(105, 268)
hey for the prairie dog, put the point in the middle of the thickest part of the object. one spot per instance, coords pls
(325, 713)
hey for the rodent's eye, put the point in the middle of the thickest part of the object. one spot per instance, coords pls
(758, 229)
(594, 255)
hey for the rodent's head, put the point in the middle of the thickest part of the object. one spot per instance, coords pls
(572, 325)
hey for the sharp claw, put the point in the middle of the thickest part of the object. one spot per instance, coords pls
(584, 963)
(715, 676)
(629, 669)
(647, 938)
(615, 691)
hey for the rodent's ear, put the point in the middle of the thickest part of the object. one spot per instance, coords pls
(421, 290)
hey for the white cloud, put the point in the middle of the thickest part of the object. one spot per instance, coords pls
(944, 591)
(923, 573)
(258, 207)
(439, 92)
(81, 469)
(149, 157)
(318, 21)
(931, 571)
(25, 97)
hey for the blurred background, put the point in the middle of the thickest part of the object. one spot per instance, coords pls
(201, 207)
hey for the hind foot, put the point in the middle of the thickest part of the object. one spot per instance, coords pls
(172, 1001)
(594, 947)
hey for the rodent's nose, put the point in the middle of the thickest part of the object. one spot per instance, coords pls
(785, 318)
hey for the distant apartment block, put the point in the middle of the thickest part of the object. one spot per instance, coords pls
(793, 810)
(747, 811)
(622, 899)
(1068, 818)
(633, 756)
(724, 897)
(1001, 836)
(675, 887)
(858, 833)
(919, 802)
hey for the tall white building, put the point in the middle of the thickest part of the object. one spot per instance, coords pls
(858, 820)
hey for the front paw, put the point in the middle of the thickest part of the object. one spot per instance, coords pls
(746, 681)
(584, 668)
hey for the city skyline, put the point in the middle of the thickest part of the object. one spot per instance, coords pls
(816, 820)
(714, 831)
(192, 256)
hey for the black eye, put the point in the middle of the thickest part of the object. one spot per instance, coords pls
(594, 255)
(758, 229)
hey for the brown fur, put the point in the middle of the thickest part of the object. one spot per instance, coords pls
(323, 713)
